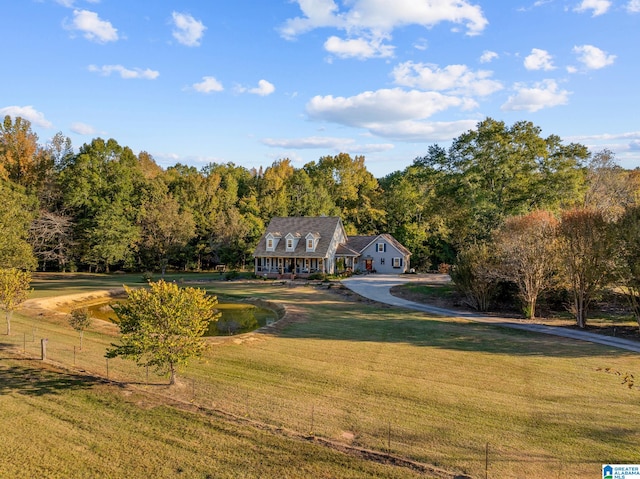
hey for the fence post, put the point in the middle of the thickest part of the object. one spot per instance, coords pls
(43, 348)
(486, 461)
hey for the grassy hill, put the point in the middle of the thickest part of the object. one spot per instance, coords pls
(440, 391)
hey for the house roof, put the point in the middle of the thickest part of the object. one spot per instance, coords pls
(359, 243)
(321, 227)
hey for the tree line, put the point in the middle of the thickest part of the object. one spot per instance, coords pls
(104, 208)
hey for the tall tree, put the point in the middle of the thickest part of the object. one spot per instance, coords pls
(22, 159)
(587, 255)
(273, 194)
(610, 188)
(14, 290)
(527, 250)
(51, 236)
(628, 256)
(353, 189)
(165, 228)
(163, 326)
(16, 214)
(497, 171)
(103, 188)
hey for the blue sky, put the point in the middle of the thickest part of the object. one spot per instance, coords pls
(254, 81)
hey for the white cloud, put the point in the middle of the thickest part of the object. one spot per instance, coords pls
(188, 31)
(264, 88)
(28, 113)
(387, 105)
(360, 48)
(592, 57)
(208, 85)
(393, 113)
(538, 60)
(311, 142)
(93, 28)
(376, 16)
(488, 56)
(126, 73)
(82, 129)
(326, 143)
(423, 131)
(633, 6)
(599, 7)
(544, 94)
(453, 78)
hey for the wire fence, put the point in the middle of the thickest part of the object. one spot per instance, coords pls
(390, 433)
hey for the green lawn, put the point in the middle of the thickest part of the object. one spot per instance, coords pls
(432, 389)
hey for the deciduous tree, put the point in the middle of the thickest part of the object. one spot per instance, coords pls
(16, 213)
(628, 245)
(14, 290)
(80, 320)
(163, 326)
(587, 255)
(527, 250)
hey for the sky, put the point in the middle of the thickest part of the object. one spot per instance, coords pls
(255, 81)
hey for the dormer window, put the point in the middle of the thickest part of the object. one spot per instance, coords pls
(291, 241)
(272, 241)
(312, 241)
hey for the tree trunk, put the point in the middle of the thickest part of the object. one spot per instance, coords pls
(172, 377)
(531, 309)
(9, 313)
(81, 335)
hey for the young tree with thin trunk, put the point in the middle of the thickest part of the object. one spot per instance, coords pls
(587, 257)
(628, 271)
(163, 326)
(14, 290)
(527, 249)
(474, 275)
(80, 320)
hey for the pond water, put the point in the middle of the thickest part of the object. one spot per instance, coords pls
(236, 318)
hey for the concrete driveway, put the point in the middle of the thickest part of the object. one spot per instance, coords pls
(377, 287)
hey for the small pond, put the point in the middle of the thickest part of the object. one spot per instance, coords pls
(236, 318)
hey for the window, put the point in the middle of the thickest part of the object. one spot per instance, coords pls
(381, 247)
(269, 243)
(381, 260)
(309, 245)
(397, 262)
(289, 244)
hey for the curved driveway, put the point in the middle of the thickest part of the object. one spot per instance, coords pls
(377, 287)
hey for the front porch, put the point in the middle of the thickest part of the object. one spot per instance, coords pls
(289, 268)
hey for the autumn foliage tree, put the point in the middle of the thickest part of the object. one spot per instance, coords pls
(587, 256)
(163, 326)
(527, 249)
(628, 244)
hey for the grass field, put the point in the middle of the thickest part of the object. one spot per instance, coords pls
(435, 390)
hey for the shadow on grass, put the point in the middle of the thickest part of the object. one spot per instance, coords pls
(453, 335)
(32, 381)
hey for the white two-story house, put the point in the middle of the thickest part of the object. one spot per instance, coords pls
(300, 246)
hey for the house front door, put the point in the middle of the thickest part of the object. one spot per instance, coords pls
(368, 264)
